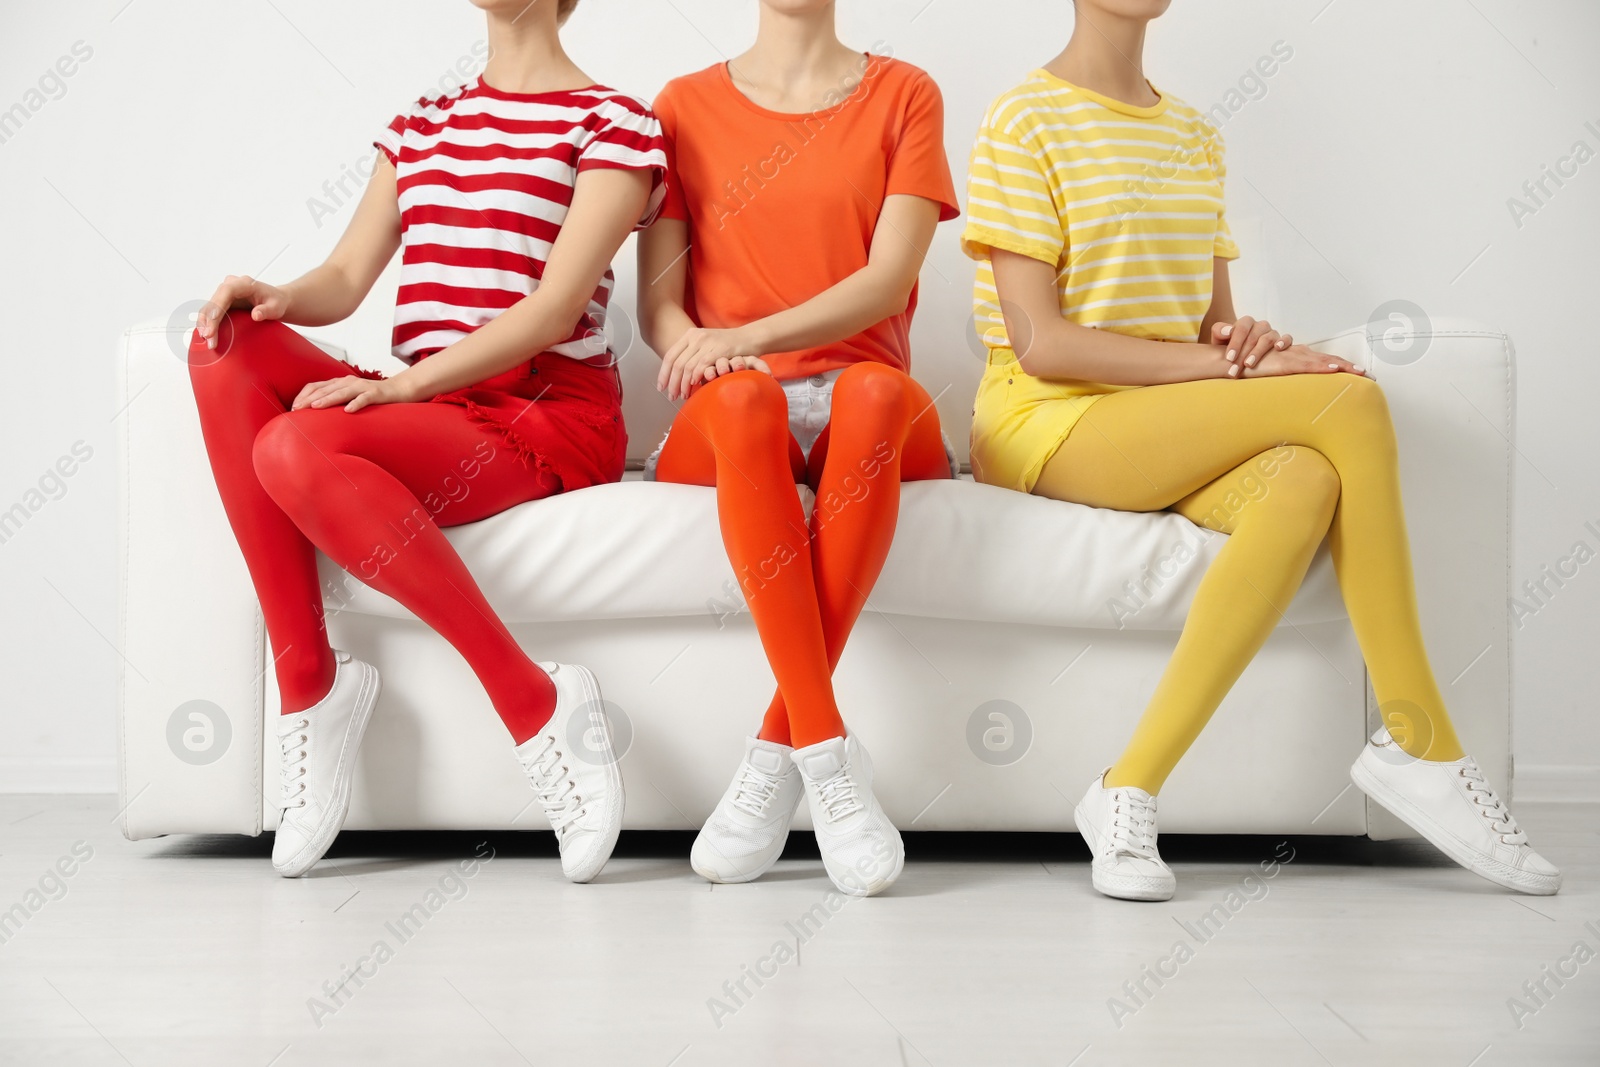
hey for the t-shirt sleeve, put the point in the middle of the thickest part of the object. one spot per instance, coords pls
(388, 142)
(1009, 204)
(918, 165)
(1223, 246)
(628, 137)
(666, 106)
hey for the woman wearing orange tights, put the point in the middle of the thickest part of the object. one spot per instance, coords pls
(791, 353)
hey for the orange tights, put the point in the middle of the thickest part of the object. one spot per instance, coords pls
(805, 583)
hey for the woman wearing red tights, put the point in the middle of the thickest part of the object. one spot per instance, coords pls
(508, 198)
(807, 180)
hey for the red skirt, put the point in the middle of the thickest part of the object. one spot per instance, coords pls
(557, 414)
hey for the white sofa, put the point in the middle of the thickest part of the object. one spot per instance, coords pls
(990, 677)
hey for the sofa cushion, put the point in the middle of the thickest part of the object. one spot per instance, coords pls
(964, 551)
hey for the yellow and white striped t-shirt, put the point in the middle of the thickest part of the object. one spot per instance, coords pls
(1126, 202)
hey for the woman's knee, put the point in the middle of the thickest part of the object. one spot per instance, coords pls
(1287, 485)
(1366, 395)
(1358, 414)
(288, 461)
(1358, 399)
(213, 368)
(1306, 482)
(746, 391)
(746, 402)
(874, 390)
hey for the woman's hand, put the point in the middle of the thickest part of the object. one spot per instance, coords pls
(728, 366)
(703, 355)
(1248, 340)
(266, 302)
(354, 393)
(1296, 359)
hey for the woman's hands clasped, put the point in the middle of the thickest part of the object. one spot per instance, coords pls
(1254, 349)
(1298, 359)
(702, 356)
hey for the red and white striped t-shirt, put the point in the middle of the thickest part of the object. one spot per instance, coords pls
(485, 181)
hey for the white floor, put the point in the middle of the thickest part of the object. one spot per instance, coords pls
(990, 950)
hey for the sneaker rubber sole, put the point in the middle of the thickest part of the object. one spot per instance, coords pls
(1402, 808)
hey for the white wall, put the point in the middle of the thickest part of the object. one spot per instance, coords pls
(1377, 164)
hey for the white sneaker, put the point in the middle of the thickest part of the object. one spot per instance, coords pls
(1119, 826)
(318, 748)
(1452, 806)
(860, 847)
(745, 835)
(574, 772)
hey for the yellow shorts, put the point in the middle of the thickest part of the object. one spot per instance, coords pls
(1018, 421)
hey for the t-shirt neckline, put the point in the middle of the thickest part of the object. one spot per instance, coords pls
(726, 76)
(482, 87)
(1119, 106)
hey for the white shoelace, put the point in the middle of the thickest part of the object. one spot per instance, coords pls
(838, 795)
(556, 792)
(1490, 806)
(292, 767)
(755, 791)
(1133, 825)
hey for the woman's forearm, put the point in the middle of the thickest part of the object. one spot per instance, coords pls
(331, 292)
(1048, 345)
(606, 202)
(664, 284)
(322, 296)
(1221, 309)
(880, 290)
(532, 325)
(1063, 349)
(857, 303)
(860, 301)
(877, 291)
(662, 323)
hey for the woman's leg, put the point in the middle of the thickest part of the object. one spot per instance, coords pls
(733, 433)
(371, 490)
(1152, 448)
(252, 378)
(884, 430)
(1275, 509)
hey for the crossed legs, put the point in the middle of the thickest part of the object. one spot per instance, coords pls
(1276, 463)
(372, 491)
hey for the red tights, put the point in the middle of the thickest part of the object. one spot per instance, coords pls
(371, 490)
(806, 585)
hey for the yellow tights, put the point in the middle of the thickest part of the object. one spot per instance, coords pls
(1276, 463)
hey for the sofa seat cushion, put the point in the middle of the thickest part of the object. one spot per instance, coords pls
(964, 551)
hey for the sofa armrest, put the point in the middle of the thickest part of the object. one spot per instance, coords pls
(193, 651)
(1452, 393)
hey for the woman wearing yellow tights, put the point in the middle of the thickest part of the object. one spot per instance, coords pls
(1119, 376)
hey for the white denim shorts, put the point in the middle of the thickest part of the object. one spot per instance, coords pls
(810, 408)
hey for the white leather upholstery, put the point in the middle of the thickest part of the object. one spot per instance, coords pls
(639, 550)
(988, 596)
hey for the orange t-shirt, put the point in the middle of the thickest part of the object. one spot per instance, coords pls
(782, 207)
